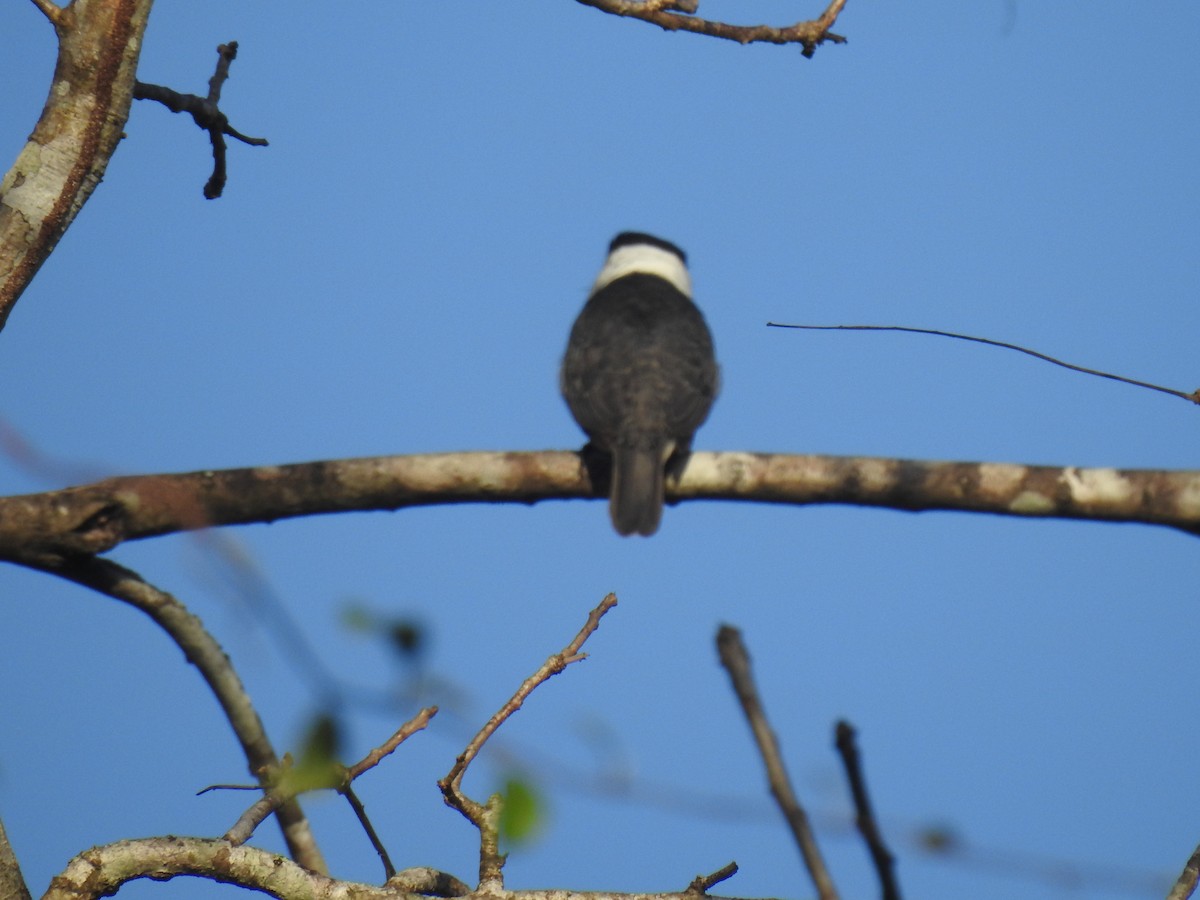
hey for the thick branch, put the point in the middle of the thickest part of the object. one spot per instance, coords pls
(97, 517)
(101, 871)
(670, 17)
(84, 117)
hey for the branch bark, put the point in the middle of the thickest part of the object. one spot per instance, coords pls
(39, 529)
(100, 871)
(12, 883)
(99, 42)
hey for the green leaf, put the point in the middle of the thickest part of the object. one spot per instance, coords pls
(523, 813)
(318, 766)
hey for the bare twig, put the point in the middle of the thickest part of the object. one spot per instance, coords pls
(701, 883)
(486, 817)
(666, 14)
(864, 816)
(1185, 886)
(736, 661)
(203, 651)
(360, 813)
(1194, 396)
(368, 762)
(417, 723)
(205, 112)
(282, 791)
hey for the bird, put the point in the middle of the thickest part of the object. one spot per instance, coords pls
(640, 373)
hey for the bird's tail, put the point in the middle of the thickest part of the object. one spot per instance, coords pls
(636, 500)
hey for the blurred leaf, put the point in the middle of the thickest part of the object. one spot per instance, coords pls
(523, 814)
(356, 617)
(939, 839)
(318, 766)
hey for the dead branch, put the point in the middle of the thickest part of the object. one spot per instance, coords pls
(206, 113)
(677, 15)
(701, 883)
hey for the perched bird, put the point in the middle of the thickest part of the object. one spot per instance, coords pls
(639, 374)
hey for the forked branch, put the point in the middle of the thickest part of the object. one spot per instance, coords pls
(486, 817)
(205, 112)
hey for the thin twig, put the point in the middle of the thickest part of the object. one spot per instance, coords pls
(360, 813)
(226, 54)
(1194, 396)
(368, 762)
(864, 816)
(485, 817)
(283, 792)
(674, 15)
(736, 661)
(417, 723)
(702, 883)
(203, 651)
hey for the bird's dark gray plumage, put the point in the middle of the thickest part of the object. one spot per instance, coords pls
(640, 374)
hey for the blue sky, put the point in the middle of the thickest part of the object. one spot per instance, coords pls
(397, 273)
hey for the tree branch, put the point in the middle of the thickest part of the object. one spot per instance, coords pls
(846, 742)
(1185, 885)
(96, 518)
(201, 650)
(666, 14)
(206, 113)
(12, 882)
(84, 118)
(100, 871)
(736, 661)
(486, 817)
